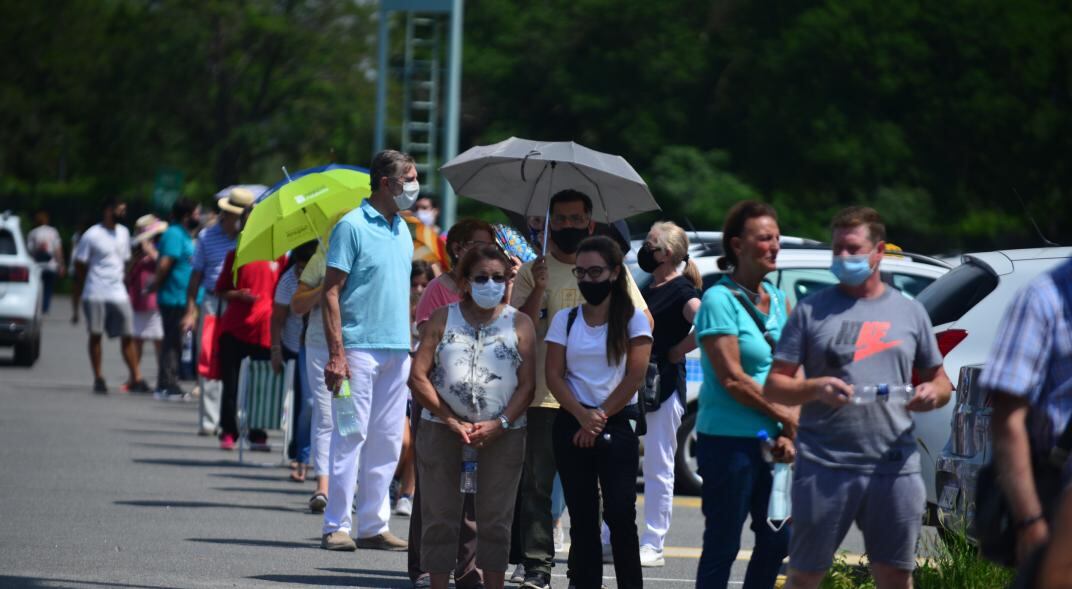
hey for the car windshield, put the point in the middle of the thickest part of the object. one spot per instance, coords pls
(953, 295)
(7, 243)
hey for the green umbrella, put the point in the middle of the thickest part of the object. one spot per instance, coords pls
(299, 211)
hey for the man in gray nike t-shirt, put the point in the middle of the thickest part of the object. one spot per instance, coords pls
(858, 462)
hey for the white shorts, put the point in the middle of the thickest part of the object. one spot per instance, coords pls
(148, 325)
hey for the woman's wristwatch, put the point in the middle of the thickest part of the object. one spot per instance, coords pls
(504, 421)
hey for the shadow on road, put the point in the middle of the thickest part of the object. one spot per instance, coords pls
(366, 572)
(246, 477)
(258, 543)
(34, 582)
(185, 462)
(206, 505)
(183, 447)
(332, 581)
(293, 491)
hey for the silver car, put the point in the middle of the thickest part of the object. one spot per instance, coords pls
(966, 307)
(20, 293)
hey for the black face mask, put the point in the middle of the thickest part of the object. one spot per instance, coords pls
(568, 239)
(646, 259)
(192, 224)
(595, 292)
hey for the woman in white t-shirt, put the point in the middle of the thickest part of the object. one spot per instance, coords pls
(597, 357)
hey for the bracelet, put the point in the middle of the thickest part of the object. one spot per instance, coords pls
(1028, 522)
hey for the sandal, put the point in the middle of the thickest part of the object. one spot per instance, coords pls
(297, 474)
(318, 502)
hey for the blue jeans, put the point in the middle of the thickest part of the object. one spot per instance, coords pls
(303, 412)
(736, 484)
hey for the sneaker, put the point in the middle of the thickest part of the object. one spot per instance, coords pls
(385, 541)
(423, 582)
(258, 441)
(338, 541)
(537, 581)
(608, 554)
(404, 506)
(140, 387)
(99, 386)
(559, 537)
(318, 502)
(227, 442)
(650, 557)
(518, 576)
(171, 394)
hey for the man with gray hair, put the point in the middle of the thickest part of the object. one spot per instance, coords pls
(366, 322)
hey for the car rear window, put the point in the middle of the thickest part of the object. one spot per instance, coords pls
(950, 297)
(7, 243)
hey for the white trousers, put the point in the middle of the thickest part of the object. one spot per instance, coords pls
(378, 387)
(660, 445)
(211, 390)
(316, 358)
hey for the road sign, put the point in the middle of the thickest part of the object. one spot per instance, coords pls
(166, 188)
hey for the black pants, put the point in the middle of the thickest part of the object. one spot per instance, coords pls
(611, 467)
(170, 347)
(232, 351)
(532, 541)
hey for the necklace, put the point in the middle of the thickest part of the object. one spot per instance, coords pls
(752, 295)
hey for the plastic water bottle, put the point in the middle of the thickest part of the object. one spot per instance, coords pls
(765, 445)
(345, 413)
(186, 361)
(881, 393)
(469, 462)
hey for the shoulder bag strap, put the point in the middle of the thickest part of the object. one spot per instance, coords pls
(570, 320)
(754, 315)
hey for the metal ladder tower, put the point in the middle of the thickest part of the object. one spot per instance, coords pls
(430, 109)
(420, 96)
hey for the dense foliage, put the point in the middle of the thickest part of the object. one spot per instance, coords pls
(939, 114)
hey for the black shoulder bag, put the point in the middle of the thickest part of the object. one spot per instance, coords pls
(648, 391)
(995, 526)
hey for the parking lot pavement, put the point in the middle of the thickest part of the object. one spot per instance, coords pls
(118, 491)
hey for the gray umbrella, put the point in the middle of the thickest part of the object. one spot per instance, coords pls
(520, 175)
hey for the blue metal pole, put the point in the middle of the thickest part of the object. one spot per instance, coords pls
(382, 74)
(454, 98)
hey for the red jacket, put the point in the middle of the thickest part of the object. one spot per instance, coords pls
(250, 322)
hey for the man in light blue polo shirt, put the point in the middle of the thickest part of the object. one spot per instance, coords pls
(366, 322)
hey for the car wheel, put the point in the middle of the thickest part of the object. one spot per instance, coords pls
(26, 353)
(686, 468)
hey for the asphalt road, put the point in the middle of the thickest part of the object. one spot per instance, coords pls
(118, 491)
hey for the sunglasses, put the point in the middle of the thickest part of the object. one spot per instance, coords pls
(593, 272)
(482, 279)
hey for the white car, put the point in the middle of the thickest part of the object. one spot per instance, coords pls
(803, 268)
(966, 307)
(20, 293)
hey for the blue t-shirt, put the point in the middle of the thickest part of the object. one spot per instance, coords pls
(721, 313)
(377, 255)
(176, 244)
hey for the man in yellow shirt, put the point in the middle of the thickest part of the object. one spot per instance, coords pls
(544, 287)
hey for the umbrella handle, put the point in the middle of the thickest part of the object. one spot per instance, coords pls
(525, 160)
(547, 218)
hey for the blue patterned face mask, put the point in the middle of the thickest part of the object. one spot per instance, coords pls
(852, 270)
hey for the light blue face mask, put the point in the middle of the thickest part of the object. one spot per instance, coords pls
(780, 505)
(489, 294)
(852, 270)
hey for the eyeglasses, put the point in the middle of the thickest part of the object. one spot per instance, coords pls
(593, 272)
(483, 279)
(578, 221)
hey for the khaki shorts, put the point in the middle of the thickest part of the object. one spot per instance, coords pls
(114, 318)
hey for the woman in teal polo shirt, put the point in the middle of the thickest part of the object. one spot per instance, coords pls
(736, 358)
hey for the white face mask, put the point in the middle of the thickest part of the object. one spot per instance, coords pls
(489, 294)
(427, 216)
(408, 196)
